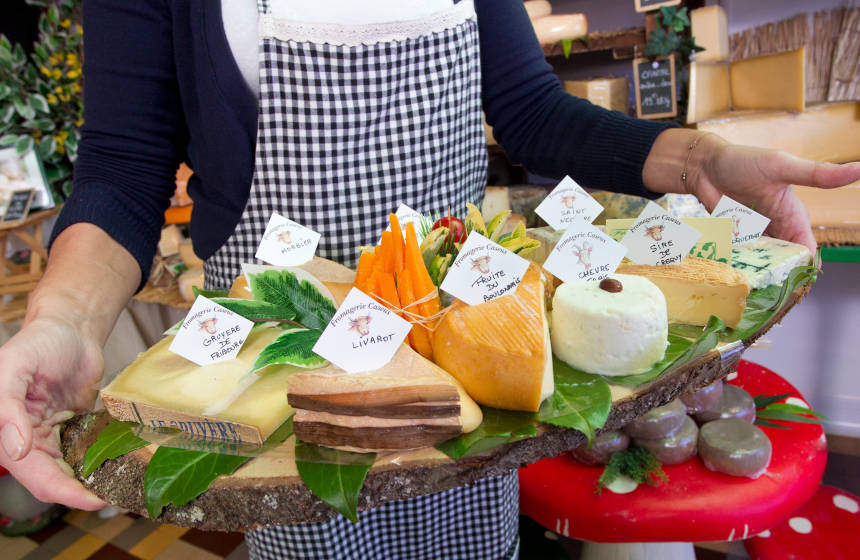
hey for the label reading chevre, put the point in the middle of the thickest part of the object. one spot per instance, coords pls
(210, 333)
(658, 238)
(747, 224)
(363, 335)
(484, 271)
(287, 243)
(568, 204)
(584, 253)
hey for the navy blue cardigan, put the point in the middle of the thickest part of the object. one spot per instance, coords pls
(161, 86)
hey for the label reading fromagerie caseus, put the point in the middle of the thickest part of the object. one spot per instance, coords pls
(658, 238)
(210, 333)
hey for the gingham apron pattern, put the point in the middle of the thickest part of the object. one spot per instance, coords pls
(346, 133)
(472, 523)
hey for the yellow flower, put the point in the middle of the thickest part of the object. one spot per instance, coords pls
(65, 23)
(72, 59)
(52, 99)
(44, 71)
(60, 149)
(79, 29)
(65, 97)
(76, 88)
(37, 134)
(79, 123)
(72, 74)
(58, 89)
(61, 136)
(56, 74)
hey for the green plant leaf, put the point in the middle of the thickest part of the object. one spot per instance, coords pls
(47, 147)
(334, 476)
(312, 309)
(680, 350)
(793, 409)
(5, 90)
(498, 428)
(581, 400)
(258, 311)
(766, 424)
(113, 440)
(566, 45)
(23, 109)
(209, 293)
(293, 347)
(8, 139)
(762, 401)
(24, 144)
(786, 415)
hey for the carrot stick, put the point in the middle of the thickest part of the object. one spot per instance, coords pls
(422, 285)
(386, 247)
(397, 241)
(404, 291)
(362, 273)
(388, 291)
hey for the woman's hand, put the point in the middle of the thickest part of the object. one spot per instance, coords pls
(47, 371)
(756, 177)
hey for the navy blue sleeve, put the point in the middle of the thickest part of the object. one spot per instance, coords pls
(133, 129)
(541, 126)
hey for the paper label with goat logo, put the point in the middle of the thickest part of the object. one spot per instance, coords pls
(584, 253)
(363, 335)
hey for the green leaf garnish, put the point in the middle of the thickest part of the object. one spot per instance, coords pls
(498, 428)
(293, 347)
(257, 311)
(312, 309)
(210, 293)
(762, 401)
(581, 400)
(334, 476)
(113, 440)
(636, 463)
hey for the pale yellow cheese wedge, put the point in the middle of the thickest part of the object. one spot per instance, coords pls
(696, 289)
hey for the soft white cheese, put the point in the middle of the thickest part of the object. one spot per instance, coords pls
(609, 333)
(768, 261)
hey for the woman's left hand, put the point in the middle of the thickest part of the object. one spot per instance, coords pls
(761, 179)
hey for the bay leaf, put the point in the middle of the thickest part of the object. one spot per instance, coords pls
(334, 476)
(581, 400)
(499, 427)
(293, 347)
(114, 440)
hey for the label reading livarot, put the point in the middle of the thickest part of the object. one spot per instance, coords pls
(363, 335)
(658, 238)
(287, 243)
(483, 271)
(210, 333)
(584, 253)
(568, 204)
(747, 224)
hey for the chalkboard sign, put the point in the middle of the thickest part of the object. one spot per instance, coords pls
(655, 87)
(19, 205)
(648, 5)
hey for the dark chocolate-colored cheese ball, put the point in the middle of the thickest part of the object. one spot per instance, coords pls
(659, 422)
(703, 399)
(734, 403)
(734, 447)
(676, 448)
(602, 449)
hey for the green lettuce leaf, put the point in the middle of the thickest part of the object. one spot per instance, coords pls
(312, 309)
(334, 476)
(293, 347)
(114, 440)
(581, 400)
(498, 428)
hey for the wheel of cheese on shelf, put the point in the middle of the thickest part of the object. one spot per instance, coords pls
(554, 28)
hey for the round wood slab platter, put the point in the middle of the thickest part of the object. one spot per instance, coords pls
(267, 490)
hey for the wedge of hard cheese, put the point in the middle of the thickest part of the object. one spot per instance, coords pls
(410, 403)
(500, 350)
(161, 388)
(696, 289)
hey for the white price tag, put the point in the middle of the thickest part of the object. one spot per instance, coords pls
(287, 243)
(210, 333)
(657, 238)
(484, 271)
(363, 335)
(568, 204)
(584, 253)
(747, 225)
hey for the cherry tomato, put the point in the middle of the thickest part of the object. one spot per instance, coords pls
(456, 228)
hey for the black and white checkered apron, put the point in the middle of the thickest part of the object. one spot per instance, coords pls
(353, 121)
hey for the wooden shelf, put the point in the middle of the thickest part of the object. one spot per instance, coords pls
(623, 41)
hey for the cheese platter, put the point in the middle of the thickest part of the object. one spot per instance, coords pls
(474, 391)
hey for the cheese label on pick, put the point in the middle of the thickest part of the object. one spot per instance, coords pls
(210, 333)
(584, 253)
(568, 204)
(287, 243)
(747, 224)
(658, 238)
(406, 215)
(484, 271)
(363, 335)
(715, 242)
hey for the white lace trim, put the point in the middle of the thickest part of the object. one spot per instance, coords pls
(354, 35)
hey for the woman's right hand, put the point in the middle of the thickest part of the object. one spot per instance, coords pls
(48, 370)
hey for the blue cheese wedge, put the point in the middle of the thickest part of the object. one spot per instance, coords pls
(767, 261)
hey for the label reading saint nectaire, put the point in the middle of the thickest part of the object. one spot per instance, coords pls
(483, 271)
(210, 333)
(658, 238)
(568, 204)
(363, 335)
(584, 253)
(287, 243)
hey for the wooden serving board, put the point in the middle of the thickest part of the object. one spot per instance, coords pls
(267, 490)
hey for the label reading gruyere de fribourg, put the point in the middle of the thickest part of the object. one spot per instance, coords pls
(584, 253)
(568, 204)
(484, 271)
(210, 333)
(363, 335)
(747, 224)
(287, 243)
(715, 242)
(658, 238)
